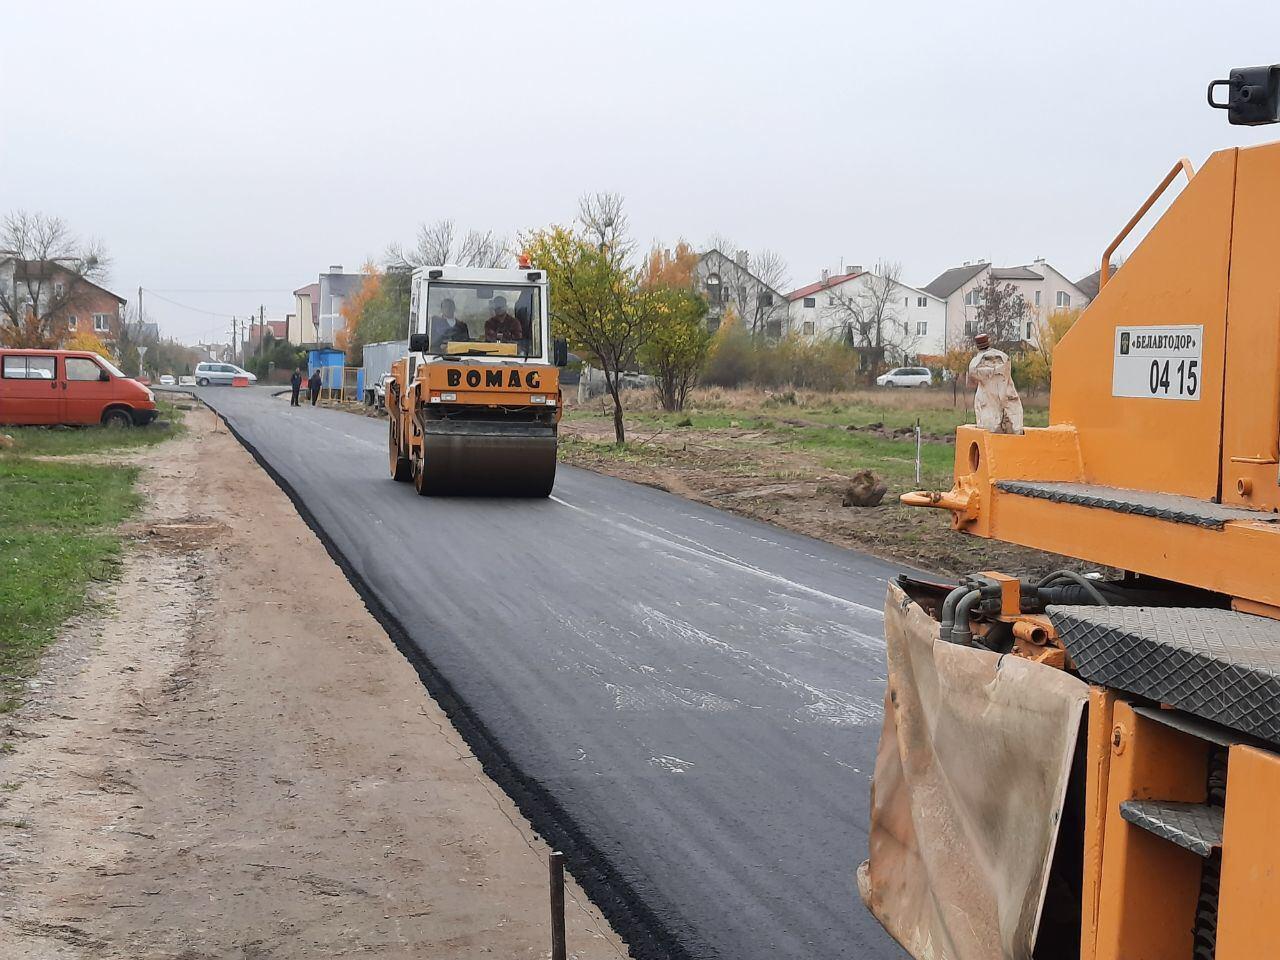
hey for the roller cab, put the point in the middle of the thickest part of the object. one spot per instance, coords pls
(475, 405)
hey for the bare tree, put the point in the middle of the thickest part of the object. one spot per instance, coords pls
(1001, 311)
(437, 244)
(869, 316)
(604, 222)
(45, 272)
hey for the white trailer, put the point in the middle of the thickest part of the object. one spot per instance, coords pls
(378, 358)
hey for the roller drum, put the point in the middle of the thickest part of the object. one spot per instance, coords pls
(478, 458)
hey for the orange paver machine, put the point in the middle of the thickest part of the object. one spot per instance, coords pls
(1087, 765)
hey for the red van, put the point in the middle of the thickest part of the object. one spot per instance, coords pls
(69, 386)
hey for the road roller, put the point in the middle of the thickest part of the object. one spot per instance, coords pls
(474, 406)
(1085, 765)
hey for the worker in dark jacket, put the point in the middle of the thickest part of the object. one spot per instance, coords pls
(295, 384)
(314, 386)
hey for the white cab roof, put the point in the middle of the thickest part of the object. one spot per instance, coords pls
(495, 276)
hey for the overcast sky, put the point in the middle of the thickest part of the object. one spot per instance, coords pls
(226, 153)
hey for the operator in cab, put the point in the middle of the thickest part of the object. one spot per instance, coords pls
(502, 327)
(447, 327)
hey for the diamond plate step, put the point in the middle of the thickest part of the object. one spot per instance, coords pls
(1218, 665)
(1194, 826)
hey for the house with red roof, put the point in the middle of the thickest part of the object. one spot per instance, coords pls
(864, 308)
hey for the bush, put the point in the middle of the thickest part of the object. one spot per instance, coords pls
(729, 363)
(737, 360)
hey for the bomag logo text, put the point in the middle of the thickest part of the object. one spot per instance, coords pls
(494, 377)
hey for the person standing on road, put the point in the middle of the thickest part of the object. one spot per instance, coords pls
(295, 384)
(314, 386)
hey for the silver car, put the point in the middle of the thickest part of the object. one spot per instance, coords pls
(224, 373)
(905, 377)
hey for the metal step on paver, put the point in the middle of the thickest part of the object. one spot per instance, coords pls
(1194, 826)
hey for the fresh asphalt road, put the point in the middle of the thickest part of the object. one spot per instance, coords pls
(701, 693)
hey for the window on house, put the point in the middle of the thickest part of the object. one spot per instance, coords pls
(807, 328)
(906, 328)
(831, 299)
(1037, 298)
(971, 328)
(58, 290)
(101, 322)
(1029, 330)
(28, 368)
(906, 301)
(922, 301)
(73, 323)
(922, 327)
(715, 293)
(974, 298)
(765, 299)
(810, 302)
(1064, 299)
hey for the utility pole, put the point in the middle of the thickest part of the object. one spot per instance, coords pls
(139, 305)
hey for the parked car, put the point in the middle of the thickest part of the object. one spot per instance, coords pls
(69, 386)
(186, 380)
(211, 373)
(166, 380)
(905, 377)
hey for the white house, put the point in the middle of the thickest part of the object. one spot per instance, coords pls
(1044, 289)
(728, 282)
(821, 310)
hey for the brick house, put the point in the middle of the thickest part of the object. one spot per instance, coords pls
(72, 303)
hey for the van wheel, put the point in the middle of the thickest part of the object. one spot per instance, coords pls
(117, 418)
(202, 382)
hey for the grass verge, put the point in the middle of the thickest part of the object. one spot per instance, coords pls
(75, 441)
(58, 521)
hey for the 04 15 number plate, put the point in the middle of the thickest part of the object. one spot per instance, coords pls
(1161, 363)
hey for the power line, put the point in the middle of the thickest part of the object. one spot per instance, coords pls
(216, 290)
(185, 306)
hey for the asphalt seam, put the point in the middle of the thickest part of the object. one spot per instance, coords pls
(646, 935)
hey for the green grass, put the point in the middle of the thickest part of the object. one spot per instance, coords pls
(71, 441)
(819, 426)
(58, 534)
(43, 495)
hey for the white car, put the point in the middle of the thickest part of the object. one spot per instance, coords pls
(905, 377)
(166, 380)
(211, 373)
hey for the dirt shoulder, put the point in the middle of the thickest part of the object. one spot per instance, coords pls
(791, 466)
(234, 760)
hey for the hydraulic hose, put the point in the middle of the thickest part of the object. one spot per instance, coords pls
(949, 610)
(1080, 580)
(960, 632)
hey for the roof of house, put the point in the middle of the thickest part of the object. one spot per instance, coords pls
(810, 289)
(949, 281)
(736, 266)
(1089, 285)
(311, 290)
(1015, 273)
(26, 273)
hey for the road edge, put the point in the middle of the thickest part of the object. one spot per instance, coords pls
(646, 936)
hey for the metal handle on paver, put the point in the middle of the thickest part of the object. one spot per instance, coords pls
(1183, 165)
(556, 864)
